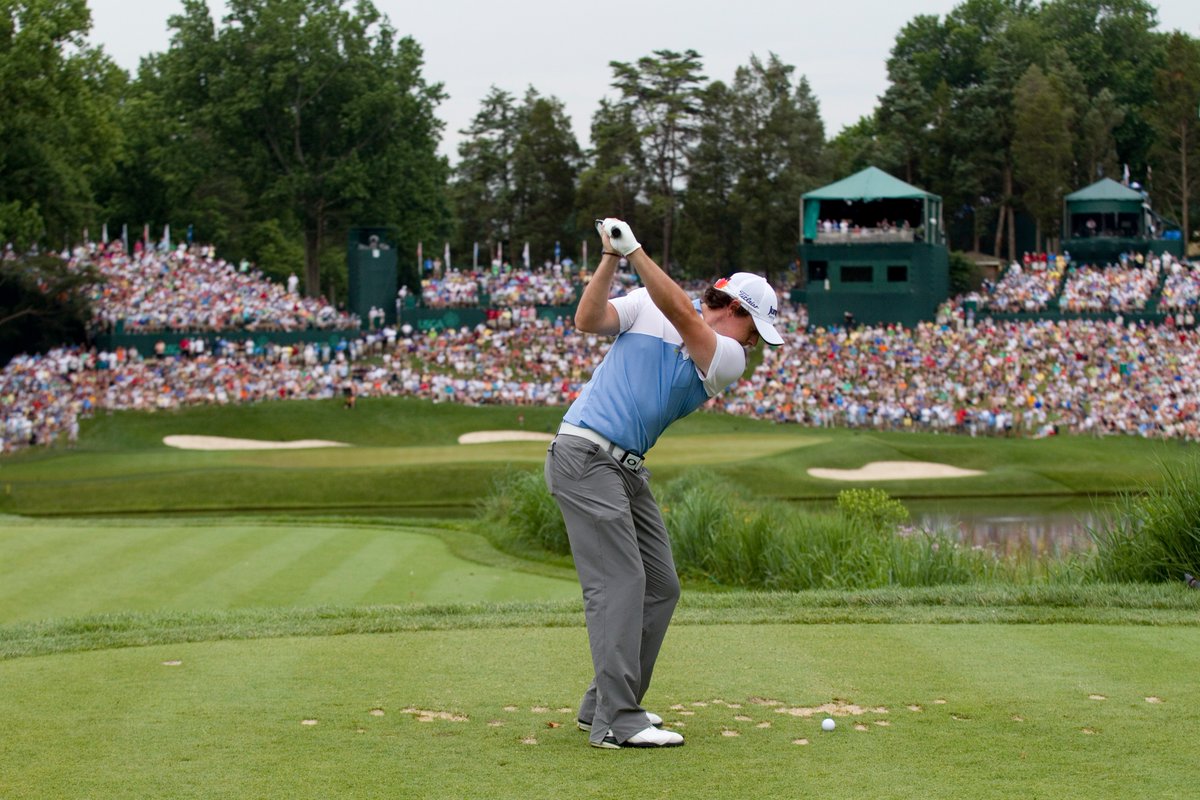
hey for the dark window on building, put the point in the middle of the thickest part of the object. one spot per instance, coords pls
(858, 274)
(898, 274)
(818, 270)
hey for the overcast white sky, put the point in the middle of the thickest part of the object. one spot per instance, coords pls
(564, 48)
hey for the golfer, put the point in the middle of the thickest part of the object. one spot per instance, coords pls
(670, 355)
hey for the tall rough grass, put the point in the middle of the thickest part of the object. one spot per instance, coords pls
(732, 540)
(728, 539)
(520, 513)
(1153, 535)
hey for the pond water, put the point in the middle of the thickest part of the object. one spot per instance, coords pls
(1015, 524)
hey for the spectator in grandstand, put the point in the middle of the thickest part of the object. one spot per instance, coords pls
(1126, 286)
(189, 289)
(1027, 287)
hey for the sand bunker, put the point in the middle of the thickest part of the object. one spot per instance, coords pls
(485, 437)
(894, 471)
(224, 443)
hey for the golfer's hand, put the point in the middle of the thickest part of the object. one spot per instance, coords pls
(617, 235)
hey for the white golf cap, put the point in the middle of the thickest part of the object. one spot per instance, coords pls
(755, 295)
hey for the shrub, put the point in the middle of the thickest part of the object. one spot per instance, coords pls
(873, 507)
(724, 537)
(1155, 535)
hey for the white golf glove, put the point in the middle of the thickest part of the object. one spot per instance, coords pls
(620, 235)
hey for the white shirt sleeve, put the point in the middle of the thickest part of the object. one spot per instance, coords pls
(629, 306)
(728, 364)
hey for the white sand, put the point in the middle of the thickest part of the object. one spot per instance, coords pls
(224, 443)
(484, 437)
(894, 471)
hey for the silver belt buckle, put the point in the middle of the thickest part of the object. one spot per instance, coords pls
(632, 461)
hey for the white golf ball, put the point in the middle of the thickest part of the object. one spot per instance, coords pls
(828, 724)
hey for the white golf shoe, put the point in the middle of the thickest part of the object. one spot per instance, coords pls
(654, 719)
(650, 737)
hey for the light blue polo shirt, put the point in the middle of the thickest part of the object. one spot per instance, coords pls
(647, 380)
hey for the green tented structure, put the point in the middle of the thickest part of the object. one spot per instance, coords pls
(1107, 218)
(876, 194)
(873, 251)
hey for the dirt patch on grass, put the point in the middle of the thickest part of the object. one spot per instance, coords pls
(424, 715)
(894, 471)
(834, 709)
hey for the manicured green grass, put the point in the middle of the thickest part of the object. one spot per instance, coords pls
(69, 568)
(174, 656)
(406, 455)
(1004, 711)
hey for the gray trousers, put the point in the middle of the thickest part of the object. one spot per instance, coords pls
(623, 559)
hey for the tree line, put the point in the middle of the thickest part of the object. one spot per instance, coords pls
(275, 131)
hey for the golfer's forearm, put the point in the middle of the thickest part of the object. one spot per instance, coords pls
(593, 304)
(669, 296)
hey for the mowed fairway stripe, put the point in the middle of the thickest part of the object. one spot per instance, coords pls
(81, 559)
(89, 568)
(158, 573)
(358, 572)
(432, 574)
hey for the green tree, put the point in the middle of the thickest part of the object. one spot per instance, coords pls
(906, 112)
(779, 134)
(42, 305)
(1113, 45)
(58, 136)
(176, 166)
(1096, 153)
(663, 92)
(709, 240)
(857, 147)
(546, 160)
(1173, 116)
(614, 177)
(1042, 147)
(483, 187)
(321, 111)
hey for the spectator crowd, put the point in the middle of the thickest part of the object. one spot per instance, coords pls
(191, 289)
(963, 373)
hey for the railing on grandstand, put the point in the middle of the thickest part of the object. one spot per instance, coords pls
(861, 235)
